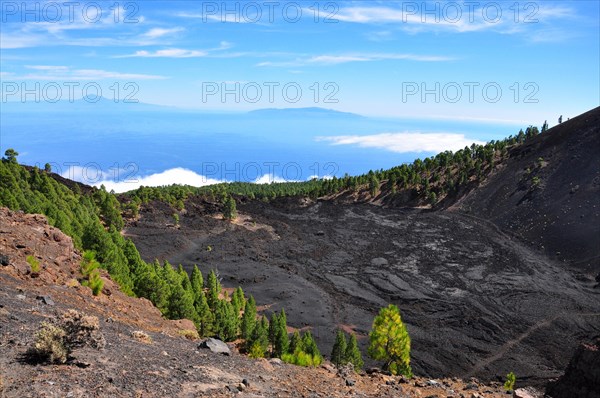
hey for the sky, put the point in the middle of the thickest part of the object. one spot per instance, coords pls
(505, 63)
(501, 61)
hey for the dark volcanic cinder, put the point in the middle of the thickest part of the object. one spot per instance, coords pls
(476, 301)
(501, 280)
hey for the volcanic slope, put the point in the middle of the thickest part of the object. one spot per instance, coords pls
(143, 355)
(480, 284)
(476, 301)
(547, 193)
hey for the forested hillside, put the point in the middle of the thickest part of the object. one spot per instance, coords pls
(93, 220)
(435, 181)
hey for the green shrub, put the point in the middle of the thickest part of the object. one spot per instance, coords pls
(82, 330)
(306, 352)
(34, 264)
(89, 270)
(141, 336)
(509, 385)
(256, 350)
(301, 358)
(50, 344)
(96, 283)
(189, 334)
(55, 340)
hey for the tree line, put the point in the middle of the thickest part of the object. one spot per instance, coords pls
(428, 180)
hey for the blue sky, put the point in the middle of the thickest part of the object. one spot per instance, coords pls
(543, 56)
(436, 74)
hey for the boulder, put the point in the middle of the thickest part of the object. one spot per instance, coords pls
(329, 367)
(46, 300)
(528, 392)
(582, 377)
(471, 386)
(216, 346)
(5, 260)
(379, 261)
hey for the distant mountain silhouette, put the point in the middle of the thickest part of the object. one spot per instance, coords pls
(303, 112)
(90, 104)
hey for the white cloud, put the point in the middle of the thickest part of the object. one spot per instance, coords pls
(48, 67)
(419, 17)
(178, 175)
(224, 45)
(327, 59)
(155, 33)
(168, 177)
(231, 18)
(405, 142)
(409, 16)
(62, 73)
(41, 33)
(269, 178)
(168, 53)
(379, 36)
(177, 52)
(102, 74)
(11, 40)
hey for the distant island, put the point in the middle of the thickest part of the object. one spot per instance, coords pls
(311, 111)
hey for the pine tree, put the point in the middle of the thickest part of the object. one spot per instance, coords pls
(259, 341)
(338, 353)
(295, 342)
(180, 304)
(389, 341)
(214, 289)
(280, 335)
(10, 156)
(206, 318)
(185, 280)
(238, 300)
(225, 320)
(248, 319)
(273, 325)
(151, 285)
(197, 282)
(373, 185)
(309, 346)
(353, 354)
(229, 209)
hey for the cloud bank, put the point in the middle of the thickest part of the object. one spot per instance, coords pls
(405, 142)
(178, 175)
